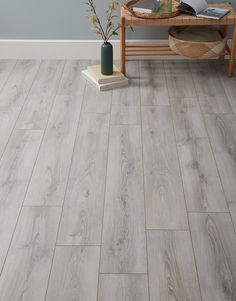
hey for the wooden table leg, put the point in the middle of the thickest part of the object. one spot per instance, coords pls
(122, 45)
(232, 52)
(224, 32)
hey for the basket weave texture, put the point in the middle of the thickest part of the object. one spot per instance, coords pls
(196, 49)
(175, 12)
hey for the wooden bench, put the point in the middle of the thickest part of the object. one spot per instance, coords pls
(134, 49)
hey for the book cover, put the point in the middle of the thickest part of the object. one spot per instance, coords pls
(105, 87)
(95, 71)
(213, 13)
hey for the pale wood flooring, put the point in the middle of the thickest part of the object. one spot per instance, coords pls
(126, 195)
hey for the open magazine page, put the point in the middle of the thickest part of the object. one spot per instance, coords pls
(197, 5)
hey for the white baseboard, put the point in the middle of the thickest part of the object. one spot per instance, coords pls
(60, 49)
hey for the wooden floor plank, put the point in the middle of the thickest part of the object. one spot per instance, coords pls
(72, 82)
(179, 81)
(15, 170)
(124, 243)
(188, 120)
(26, 271)
(49, 179)
(202, 186)
(81, 222)
(96, 101)
(13, 96)
(210, 91)
(129, 115)
(229, 84)
(172, 271)
(214, 242)
(153, 85)
(123, 287)
(6, 66)
(165, 204)
(74, 274)
(35, 112)
(222, 132)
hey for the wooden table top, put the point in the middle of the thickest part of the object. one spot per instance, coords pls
(182, 19)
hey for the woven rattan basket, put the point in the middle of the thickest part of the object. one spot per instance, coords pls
(175, 12)
(196, 41)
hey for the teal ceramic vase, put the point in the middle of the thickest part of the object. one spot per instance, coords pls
(107, 59)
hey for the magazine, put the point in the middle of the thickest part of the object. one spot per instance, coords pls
(200, 8)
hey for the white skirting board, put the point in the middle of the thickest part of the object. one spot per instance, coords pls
(61, 49)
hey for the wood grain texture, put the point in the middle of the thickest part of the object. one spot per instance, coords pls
(172, 271)
(222, 132)
(229, 84)
(13, 96)
(49, 179)
(35, 112)
(74, 274)
(123, 287)
(6, 66)
(153, 85)
(72, 82)
(81, 222)
(130, 95)
(188, 120)
(124, 243)
(129, 115)
(179, 81)
(15, 170)
(26, 271)
(214, 244)
(209, 88)
(202, 186)
(96, 101)
(165, 204)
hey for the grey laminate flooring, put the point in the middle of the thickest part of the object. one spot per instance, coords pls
(126, 195)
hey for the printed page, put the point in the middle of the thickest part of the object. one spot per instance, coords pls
(197, 5)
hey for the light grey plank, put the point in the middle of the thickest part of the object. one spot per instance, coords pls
(74, 274)
(123, 287)
(13, 95)
(81, 222)
(172, 271)
(129, 96)
(26, 271)
(209, 88)
(35, 112)
(6, 67)
(153, 85)
(124, 244)
(179, 81)
(72, 82)
(222, 132)
(229, 84)
(49, 179)
(202, 186)
(188, 120)
(214, 244)
(96, 101)
(165, 204)
(15, 170)
(129, 115)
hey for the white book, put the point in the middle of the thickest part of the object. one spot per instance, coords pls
(105, 87)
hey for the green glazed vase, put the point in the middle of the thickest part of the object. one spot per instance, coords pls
(107, 59)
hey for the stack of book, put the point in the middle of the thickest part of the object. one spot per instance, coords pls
(105, 82)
